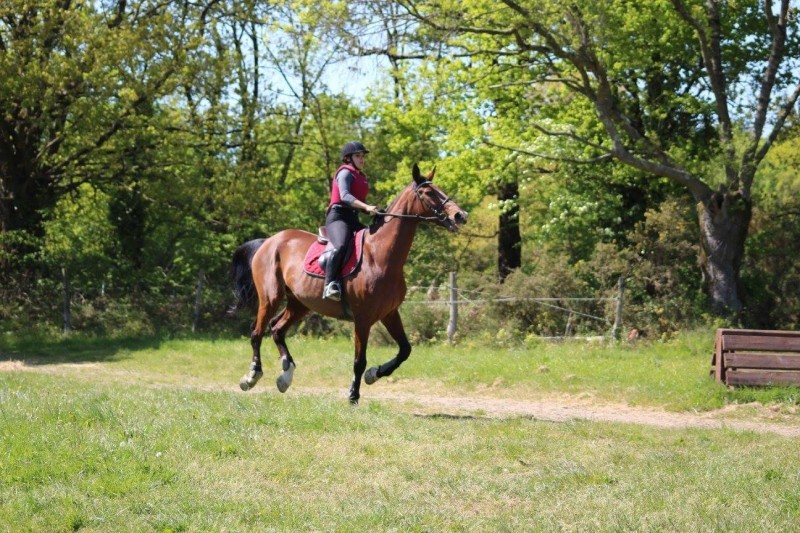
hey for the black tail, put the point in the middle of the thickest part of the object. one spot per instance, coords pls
(244, 290)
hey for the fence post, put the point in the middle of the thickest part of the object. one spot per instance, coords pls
(568, 327)
(615, 333)
(198, 298)
(453, 324)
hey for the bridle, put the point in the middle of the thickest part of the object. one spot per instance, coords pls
(438, 211)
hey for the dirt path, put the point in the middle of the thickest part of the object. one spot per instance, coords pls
(565, 408)
(560, 408)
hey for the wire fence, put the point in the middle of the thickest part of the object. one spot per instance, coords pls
(461, 297)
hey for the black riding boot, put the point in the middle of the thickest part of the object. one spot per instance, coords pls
(333, 288)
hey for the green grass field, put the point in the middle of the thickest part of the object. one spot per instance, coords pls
(154, 435)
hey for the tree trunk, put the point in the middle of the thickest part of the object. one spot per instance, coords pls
(128, 214)
(509, 242)
(724, 222)
(23, 200)
(25, 191)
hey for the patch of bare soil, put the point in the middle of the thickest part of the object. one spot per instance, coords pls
(11, 366)
(564, 408)
(560, 408)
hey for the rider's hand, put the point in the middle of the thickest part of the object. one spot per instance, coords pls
(372, 210)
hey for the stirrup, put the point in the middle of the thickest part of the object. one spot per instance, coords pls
(332, 292)
(322, 235)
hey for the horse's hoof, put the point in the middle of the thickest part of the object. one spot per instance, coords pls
(354, 402)
(371, 375)
(283, 386)
(249, 381)
(282, 383)
(285, 379)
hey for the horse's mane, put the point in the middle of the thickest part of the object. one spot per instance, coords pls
(377, 224)
(380, 221)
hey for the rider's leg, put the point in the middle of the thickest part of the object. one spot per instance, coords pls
(339, 231)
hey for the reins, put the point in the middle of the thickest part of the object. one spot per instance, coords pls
(401, 215)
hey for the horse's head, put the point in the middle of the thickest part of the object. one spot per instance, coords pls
(436, 203)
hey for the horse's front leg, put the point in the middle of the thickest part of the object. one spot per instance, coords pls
(360, 361)
(394, 325)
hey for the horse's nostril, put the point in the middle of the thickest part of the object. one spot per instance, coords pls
(461, 217)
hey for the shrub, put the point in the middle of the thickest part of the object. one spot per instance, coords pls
(663, 282)
(771, 269)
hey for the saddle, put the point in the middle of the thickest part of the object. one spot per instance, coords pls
(320, 251)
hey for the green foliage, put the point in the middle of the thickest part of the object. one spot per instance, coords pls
(771, 273)
(779, 173)
(142, 142)
(663, 291)
(174, 150)
(74, 78)
(562, 85)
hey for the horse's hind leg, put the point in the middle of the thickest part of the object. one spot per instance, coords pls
(394, 325)
(255, 373)
(293, 313)
(269, 295)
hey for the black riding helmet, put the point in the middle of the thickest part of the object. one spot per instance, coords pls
(353, 147)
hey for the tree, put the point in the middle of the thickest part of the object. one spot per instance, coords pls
(424, 115)
(693, 91)
(75, 77)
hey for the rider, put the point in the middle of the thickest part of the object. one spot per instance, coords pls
(348, 196)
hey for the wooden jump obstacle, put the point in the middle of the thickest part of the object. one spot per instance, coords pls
(756, 357)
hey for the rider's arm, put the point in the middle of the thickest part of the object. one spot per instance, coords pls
(344, 179)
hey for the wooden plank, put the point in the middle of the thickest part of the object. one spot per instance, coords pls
(758, 332)
(756, 377)
(761, 342)
(763, 360)
(720, 368)
(756, 357)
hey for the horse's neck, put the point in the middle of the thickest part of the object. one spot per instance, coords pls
(391, 243)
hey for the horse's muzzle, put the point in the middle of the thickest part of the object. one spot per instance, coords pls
(458, 220)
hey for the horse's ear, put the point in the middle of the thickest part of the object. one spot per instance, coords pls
(416, 174)
(430, 176)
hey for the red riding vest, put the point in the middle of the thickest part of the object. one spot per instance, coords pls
(359, 188)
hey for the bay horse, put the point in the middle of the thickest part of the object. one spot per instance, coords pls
(273, 270)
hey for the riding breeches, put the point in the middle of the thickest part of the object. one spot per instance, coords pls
(340, 225)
